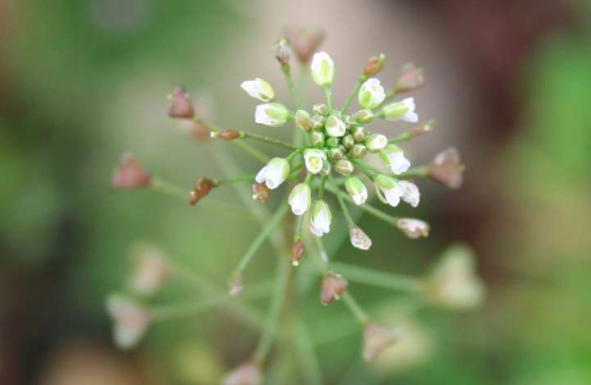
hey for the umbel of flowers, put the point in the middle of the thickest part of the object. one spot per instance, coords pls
(334, 153)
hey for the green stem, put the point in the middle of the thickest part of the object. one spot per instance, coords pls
(369, 209)
(237, 178)
(352, 94)
(290, 85)
(328, 94)
(267, 139)
(355, 308)
(344, 208)
(365, 168)
(416, 172)
(378, 278)
(301, 336)
(401, 138)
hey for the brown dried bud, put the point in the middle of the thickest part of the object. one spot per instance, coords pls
(304, 41)
(374, 65)
(297, 251)
(413, 228)
(376, 338)
(179, 105)
(260, 192)
(201, 188)
(422, 129)
(226, 134)
(412, 78)
(235, 284)
(333, 285)
(129, 174)
(282, 51)
(246, 374)
(447, 169)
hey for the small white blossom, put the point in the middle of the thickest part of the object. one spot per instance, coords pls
(371, 94)
(130, 319)
(404, 110)
(410, 193)
(413, 228)
(356, 190)
(274, 173)
(321, 218)
(271, 114)
(300, 198)
(388, 190)
(394, 159)
(259, 89)
(376, 142)
(322, 69)
(314, 160)
(335, 127)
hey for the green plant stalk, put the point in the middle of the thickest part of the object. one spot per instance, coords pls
(378, 278)
(344, 208)
(416, 172)
(401, 138)
(328, 94)
(286, 69)
(355, 308)
(267, 139)
(367, 208)
(354, 92)
(311, 369)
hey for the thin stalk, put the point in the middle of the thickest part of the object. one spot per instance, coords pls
(328, 94)
(234, 179)
(352, 95)
(344, 208)
(267, 139)
(369, 170)
(311, 368)
(369, 209)
(416, 172)
(401, 138)
(355, 308)
(378, 278)
(290, 85)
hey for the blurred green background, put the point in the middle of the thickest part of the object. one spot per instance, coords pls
(82, 81)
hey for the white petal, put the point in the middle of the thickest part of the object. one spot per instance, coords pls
(392, 197)
(260, 178)
(410, 117)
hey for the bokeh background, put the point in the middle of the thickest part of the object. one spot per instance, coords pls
(82, 81)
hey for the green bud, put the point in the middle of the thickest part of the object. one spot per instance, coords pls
(349, 121)
(317, 139)
(335, 126)
(344, 167)
(317, 122)
(364, 116)
(332, 142)
(359, 133)
(348, 141)
(320, 109)
(303, 120)
(358, 151)
(336, 153)
(376, 142)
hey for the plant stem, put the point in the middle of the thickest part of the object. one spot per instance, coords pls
(378, 278)
(237, 178)
(352, 95)
(355, 308)
(367, 208)
(416, 172)
(312, 371)
(328, 94)
(369, 170)
(401, 138)
(344, 208)
(290, 85)
(267, 139)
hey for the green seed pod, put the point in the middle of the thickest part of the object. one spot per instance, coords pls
(348, 141)
(320, 109)
(317, 122)
(317, 139)
(344, 167)
(358, 151)
(359, 133)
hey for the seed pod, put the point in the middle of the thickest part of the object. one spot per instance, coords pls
(297, 251)
(200, 190)
(226, 134)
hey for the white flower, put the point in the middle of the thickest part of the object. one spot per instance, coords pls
(259, 89)
(356, 190)
(322, 69)
(300, 198)
(410, 193)
(376, 142)
(393, 157)
(335, 126)
(130, 320)
(274, 173)
(388, 190)
(371, 94)
(413, 228)
(271, 114)
(314, 160)
(404, 110)
(321, 218)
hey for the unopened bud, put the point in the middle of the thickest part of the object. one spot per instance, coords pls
(130, 320)
(364, 116)
(359, 133)
(447, 169)
(376, 142)
(344, 167)
(260, 192)
(411, 78)
(335, 127)
(422, 129)
(282, 52)
(413, 228)
(358, 151)
(376, 338)
(246, 374)
(333, 142)
(350, 121)
(320, 109)
(303, 120)
(336, 153)
(226, 134)
(129, 174)
(317, 139)
(179, 105)
(317, 122)
(359, 239)
(374, 65)
(201, 188)
(333, 285)
(297, 251)
(235, 284)
(304, 41)
(348, 141)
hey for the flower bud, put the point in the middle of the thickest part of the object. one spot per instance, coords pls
(387, 190)
(356, 190)
(359, 239)
(376, 338)
(246, 374)
(336, 153)
(410, 192)
(179, 105)
(271, 114)
(129, 174)
(282, 52)
(259, 89)
(260, 192)
(333, 285)
(333, 142)
(225, 134)
(320, 109)
(303, 120)
(359, 133)
(200, 190)
(404, 110)
(350, 121)
(297, 251)
(376, 142)
(453, 283)
(447, 169)
(274, 173)
(321, 218)
(235, 284)
(317, 139)
(335, 127)
(344, 167)
(393, 157)
(358, 151)
(422, 129)
(374, 65)
(322, 69)
(304, 41)
(151, 270)
(318, 122)
(371, 94)
(348, 141)
(413, 228)
(300, 198)
(314, 160)
(364, 116)
(131, 320)
(412, 78)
